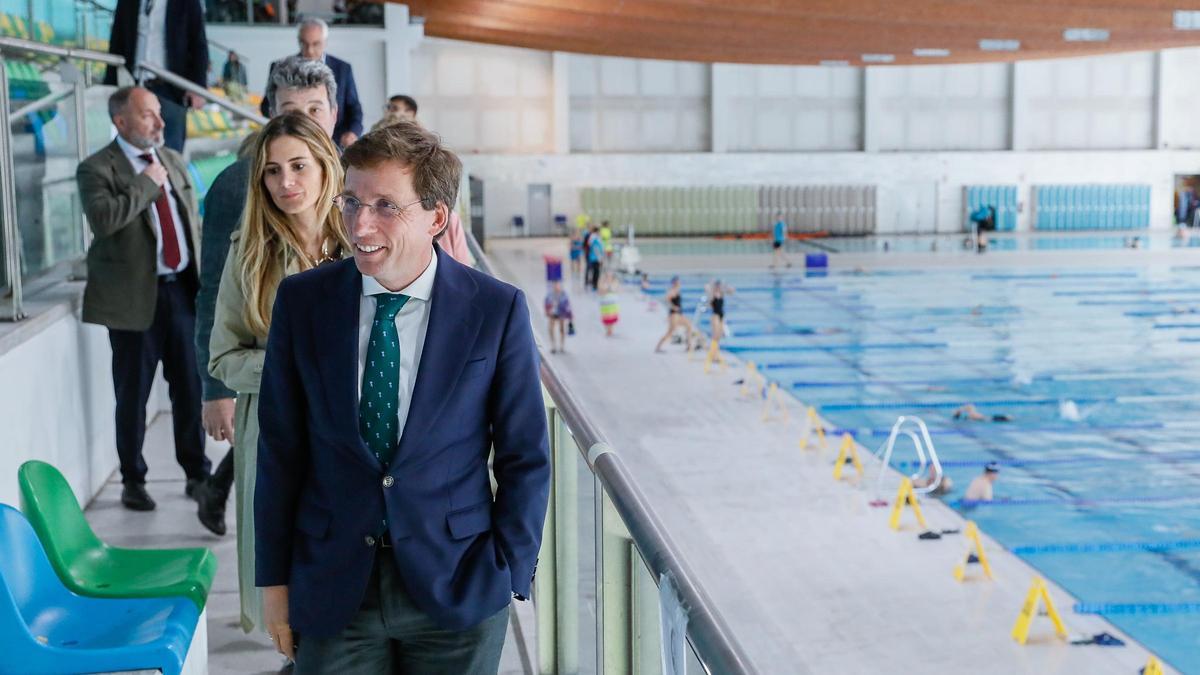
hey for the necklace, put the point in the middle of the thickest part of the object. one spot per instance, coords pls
(326, 256)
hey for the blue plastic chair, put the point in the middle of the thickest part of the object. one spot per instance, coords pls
(46, 629)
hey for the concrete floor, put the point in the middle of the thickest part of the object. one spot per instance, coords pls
(809, 576)
(174, 524)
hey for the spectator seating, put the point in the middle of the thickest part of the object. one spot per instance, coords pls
(45, 628)
(1091, 207)
(90, 567)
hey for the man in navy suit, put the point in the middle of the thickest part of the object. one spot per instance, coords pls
(313, 35)
(176, 41)
(389, 379)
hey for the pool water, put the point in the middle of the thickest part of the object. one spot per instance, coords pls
(1106, 502)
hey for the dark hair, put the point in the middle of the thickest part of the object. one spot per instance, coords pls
(119, 100)
(408, 101)
(991, 467)
(435, 170)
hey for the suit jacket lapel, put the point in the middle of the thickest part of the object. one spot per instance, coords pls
(335, 341)
(454, 323)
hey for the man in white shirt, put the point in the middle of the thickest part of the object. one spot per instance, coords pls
(142, 282)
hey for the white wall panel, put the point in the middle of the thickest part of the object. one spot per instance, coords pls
(485, 98)
(791, 108)
(639, 105)
(958, 107)
(1181, 98)
(1095, 103)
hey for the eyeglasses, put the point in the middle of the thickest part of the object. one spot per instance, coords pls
(352, 206)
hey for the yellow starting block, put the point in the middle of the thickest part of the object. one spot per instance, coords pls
(753, 383)
(813, 426)
(974, 545)
(848, 447)
(714, 356)
(774, 400)
(905, 496)
(1153, 667)
(1020, 631)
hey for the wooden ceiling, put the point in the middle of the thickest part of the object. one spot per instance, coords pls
(809, 31)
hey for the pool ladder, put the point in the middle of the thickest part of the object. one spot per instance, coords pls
(925, 453)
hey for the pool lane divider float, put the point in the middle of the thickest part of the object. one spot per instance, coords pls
(975, 554)
(1139, 608)
(1110, 547)
(1029, 610)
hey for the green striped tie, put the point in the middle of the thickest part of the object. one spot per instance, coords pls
(377, 408)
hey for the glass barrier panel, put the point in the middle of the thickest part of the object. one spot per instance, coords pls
(585, 532)
(45, 155)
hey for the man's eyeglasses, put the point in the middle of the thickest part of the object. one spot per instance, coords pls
(352, 206)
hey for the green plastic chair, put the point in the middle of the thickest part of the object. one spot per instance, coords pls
(91, 567)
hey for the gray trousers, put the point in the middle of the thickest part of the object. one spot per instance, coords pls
(390, 635)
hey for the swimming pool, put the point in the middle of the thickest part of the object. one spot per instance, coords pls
(1106, 502)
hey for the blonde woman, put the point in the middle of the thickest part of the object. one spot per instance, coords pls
(289, 225)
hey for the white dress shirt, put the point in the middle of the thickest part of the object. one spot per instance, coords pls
(412, 322)
(134, 155)
(156, 42)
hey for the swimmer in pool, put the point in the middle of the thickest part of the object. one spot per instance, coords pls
(970, 412)
(945, 486)
(980, 489)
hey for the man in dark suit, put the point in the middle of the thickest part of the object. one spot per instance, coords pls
(141, 207)
(175, 41)
(388, 381)
(296, 84)
(313, 35)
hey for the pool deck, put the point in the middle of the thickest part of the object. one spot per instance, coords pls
(809, 576)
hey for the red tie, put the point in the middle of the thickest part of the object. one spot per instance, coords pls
(170, 242)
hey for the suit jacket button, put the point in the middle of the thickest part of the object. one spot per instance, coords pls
(370, 541)
(388, 481)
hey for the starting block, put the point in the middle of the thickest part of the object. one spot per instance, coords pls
(714, 356)
(905, 496)
(813, 424)
(849, 448)
(774, 400)
(1037, 591)
(974, 545)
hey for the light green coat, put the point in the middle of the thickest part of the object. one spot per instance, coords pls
(236, 358)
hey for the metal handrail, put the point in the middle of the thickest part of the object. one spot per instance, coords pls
(188, 85)
(709, 633)
(12, 44)
(920, 446)
(40, 104)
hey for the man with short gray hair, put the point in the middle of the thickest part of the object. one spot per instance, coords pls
(312, 36)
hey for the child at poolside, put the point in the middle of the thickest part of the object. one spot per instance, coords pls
(577, 254)
(558, 313)
(608, 303)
